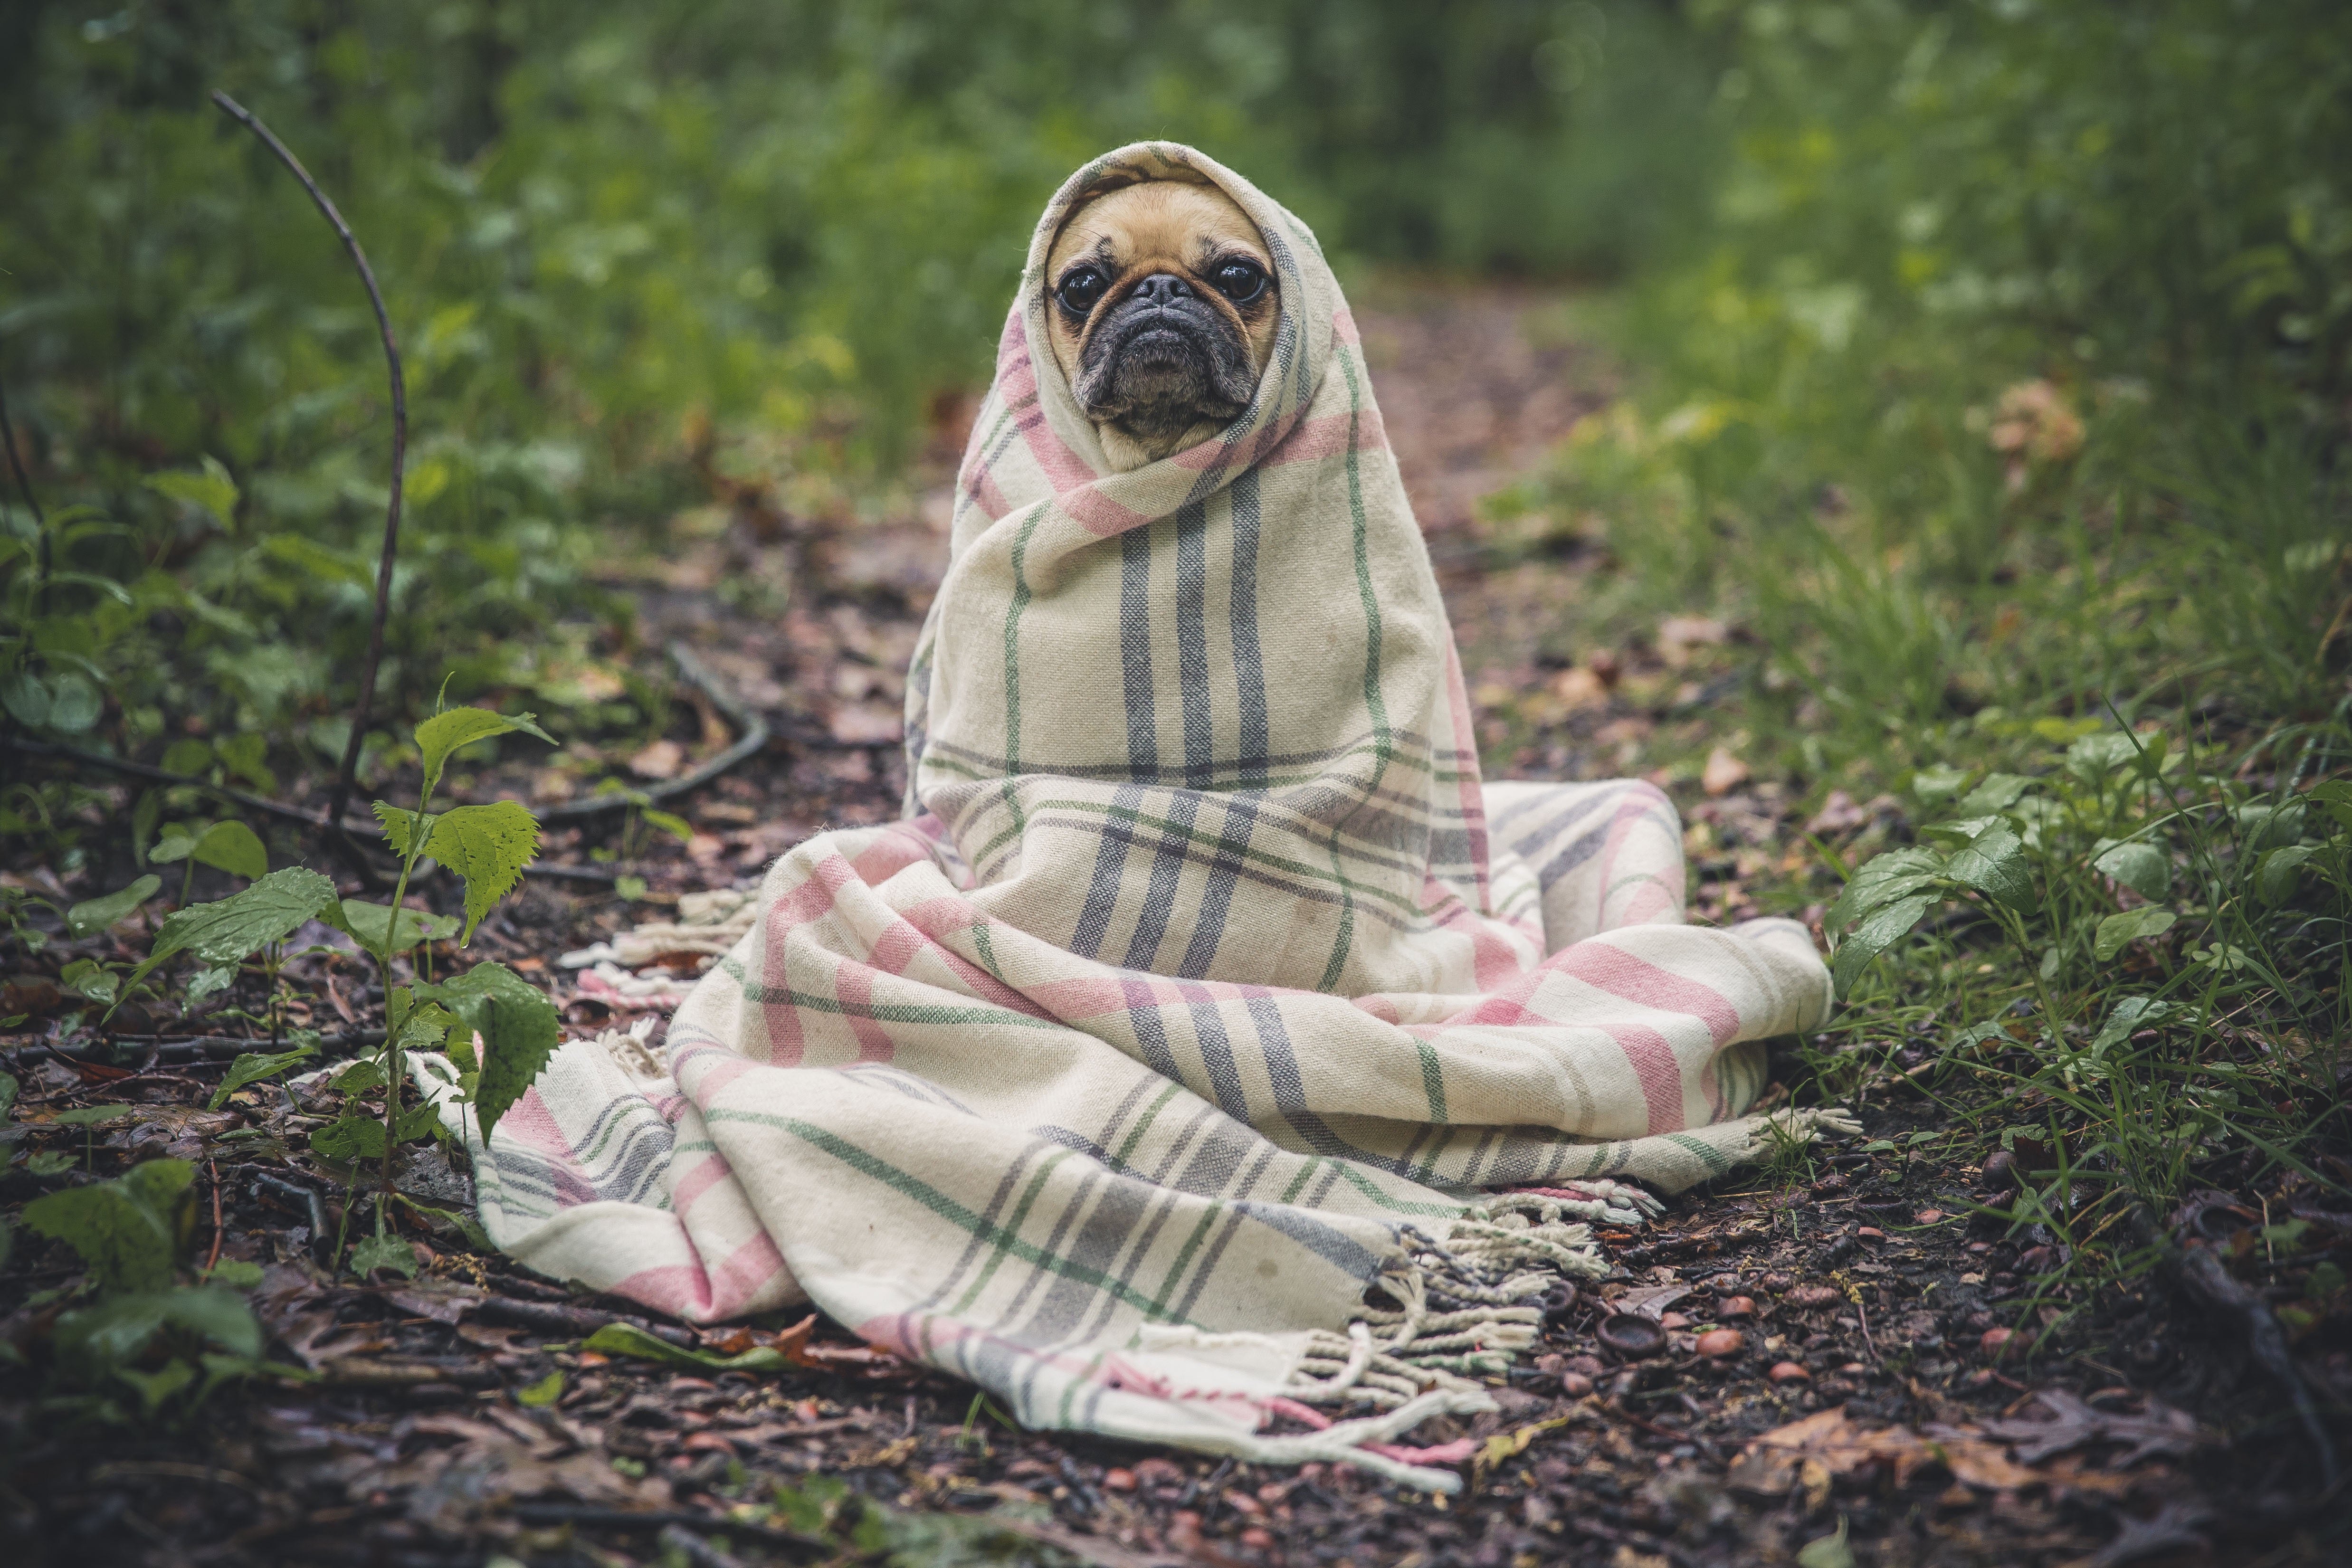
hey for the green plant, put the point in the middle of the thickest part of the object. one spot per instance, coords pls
(140, 1326)
(2167, 970)
(487, 846)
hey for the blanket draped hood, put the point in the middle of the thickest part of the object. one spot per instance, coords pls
(1205, 985)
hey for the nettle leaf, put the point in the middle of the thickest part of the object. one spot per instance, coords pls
(1877, 934)
(400, 828)
(487, 846)
(1994, 863)
(234, 848)
(127, 1231)
(1881, 879)
(427, 1026)
(1998, 792)
(349, 1138)
(2117, 932)
(205, 982)
(669, 822)
(370, 922)
(519, 1031)
(443, 733)
(252, 1067)
(1964, 829)
(235, 928)
(96, 915)
(383, 1252)
(360, 1077)
(2139, 865)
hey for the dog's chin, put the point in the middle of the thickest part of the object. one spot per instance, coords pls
(1161, 390)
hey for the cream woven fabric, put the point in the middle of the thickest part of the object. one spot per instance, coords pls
(1204, 981)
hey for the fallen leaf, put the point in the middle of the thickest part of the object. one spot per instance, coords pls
(662, 759)
(1724, 772)
(1503, 1446)
(1650, 1301)
(1766, 1467)
(866, 724)
(435, 1299)
(2161, 1430)
(1579, 688)
(1682, 631)
(1838, 813)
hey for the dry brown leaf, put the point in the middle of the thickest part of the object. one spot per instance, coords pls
(1767, 1466)
(662, 759)
(866, 724)
(1724, 772)
(1579, 688)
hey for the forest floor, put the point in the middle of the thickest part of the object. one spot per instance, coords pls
(1874, 1390)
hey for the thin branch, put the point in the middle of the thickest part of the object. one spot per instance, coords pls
(349, 773)
(41, 522)
(349, 832)
(752, 735)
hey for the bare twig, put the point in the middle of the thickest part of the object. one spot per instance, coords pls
(349, 773)
(213, 1261)
(751, 735)
(351, 831)
(25, 483)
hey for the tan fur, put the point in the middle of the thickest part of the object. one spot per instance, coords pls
(1160, 226)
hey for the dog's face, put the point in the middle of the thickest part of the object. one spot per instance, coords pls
(1163, 309)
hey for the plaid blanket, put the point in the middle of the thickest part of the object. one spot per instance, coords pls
(1155, 1072)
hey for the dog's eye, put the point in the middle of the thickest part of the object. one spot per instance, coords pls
(1239, 281)
(1080, 290)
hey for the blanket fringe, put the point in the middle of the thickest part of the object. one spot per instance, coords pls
(1358, 1441)
(1465, 1308)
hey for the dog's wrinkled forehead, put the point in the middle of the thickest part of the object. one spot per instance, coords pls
(1169, 222)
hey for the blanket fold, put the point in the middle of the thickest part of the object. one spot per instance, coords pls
(1153, 1072)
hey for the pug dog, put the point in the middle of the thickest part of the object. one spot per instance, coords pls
(1163, 307)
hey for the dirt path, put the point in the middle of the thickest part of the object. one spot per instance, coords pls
(1848, 1298)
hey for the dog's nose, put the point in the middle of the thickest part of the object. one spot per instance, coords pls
(1162, 288)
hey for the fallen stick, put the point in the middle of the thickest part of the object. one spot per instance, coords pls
(752, 736)
(576, 1322)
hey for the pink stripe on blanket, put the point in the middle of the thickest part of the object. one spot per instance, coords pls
(699, 1294)
(1643, 802)
(531, 1123)
(1657, 1069)
(1611, 968)
(1343, 327)
(1097, 513)
(853, 984)
(708, 1171)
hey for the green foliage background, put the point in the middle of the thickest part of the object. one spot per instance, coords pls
(621, 241)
